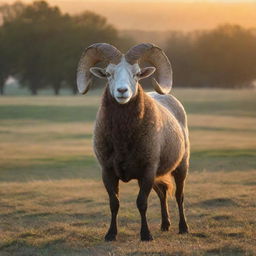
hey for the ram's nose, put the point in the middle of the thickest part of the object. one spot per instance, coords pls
(122, 90)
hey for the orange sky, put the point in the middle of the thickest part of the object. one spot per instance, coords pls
(166, 15)
(190, 1)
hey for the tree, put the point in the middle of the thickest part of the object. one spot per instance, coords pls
(40, 23)
(179, 49)
(227, 55)
(25, 34)
(88, 28)
(7, 53)
(9, 12)
(223, 57)
(46, 45)
(3, 62)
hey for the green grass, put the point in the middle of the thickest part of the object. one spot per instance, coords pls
(52, 201)
(48, 113)
(223, 160)
(77, 167)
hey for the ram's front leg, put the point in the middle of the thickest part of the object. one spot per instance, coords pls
(111, 183)
(146, 184)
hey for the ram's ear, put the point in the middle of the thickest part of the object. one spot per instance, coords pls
(146, 72)
(99, 72)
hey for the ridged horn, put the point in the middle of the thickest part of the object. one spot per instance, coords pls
(92, 55)
(156, 57)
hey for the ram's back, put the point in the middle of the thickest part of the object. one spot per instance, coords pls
(173, 106)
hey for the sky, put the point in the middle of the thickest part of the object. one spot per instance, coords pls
(164, 15)
(175, 1)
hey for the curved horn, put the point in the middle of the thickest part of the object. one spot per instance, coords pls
(92, 55)
(155, 56)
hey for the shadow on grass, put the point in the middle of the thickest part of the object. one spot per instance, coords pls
(227, 251)
(217, 202)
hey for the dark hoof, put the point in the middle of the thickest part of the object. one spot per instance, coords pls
(183, 230)
(146, 237)
(110, 237)
(165, 226)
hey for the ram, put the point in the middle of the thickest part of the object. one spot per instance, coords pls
(138, 135)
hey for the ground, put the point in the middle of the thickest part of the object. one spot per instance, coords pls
(52, 201)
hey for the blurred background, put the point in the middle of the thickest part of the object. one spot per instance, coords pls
(210, 43)
(52, 200)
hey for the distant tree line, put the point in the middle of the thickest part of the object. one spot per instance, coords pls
(224, 57)
(40, 46)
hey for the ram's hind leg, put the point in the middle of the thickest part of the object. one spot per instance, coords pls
(161, 190)
(179, 176)
(111, 183)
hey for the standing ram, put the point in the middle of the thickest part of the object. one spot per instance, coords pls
(138, 135)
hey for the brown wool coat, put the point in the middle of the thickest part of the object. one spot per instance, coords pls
(147, 134)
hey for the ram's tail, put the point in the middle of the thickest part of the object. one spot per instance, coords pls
(165, 180)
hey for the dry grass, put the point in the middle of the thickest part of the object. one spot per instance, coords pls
(70, 217)
(52, 201)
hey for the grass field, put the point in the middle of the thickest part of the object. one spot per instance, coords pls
(52, 201)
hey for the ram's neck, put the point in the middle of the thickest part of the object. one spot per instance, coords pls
(134, 109)
(124, 128)
(125, 119)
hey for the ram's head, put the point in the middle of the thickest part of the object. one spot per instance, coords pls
(123, 71)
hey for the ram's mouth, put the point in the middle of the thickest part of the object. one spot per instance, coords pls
(122, 99)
